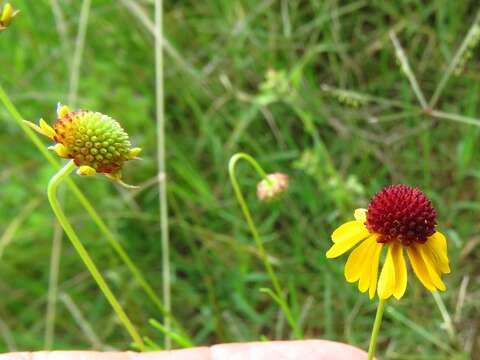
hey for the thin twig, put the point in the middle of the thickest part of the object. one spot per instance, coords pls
(405, 66)
(162, 182)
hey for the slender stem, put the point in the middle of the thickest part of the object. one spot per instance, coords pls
(402, 58)
(162, 180)
(113, 242)
(253, 229)
(454, 117)
(82, 252)
(376, 329)
(53, 286)
(455, 61)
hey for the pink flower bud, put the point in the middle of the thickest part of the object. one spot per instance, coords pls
(274, 188)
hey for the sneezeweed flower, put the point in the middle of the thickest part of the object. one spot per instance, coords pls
(399, 218)
(94, 141)
(273, 188)
(7, 14)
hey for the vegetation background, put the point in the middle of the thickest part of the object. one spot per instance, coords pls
(265, 77)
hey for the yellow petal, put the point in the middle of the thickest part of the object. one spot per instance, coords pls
(427, 257)
(386, 283)
(360, 215)
(420, 268)
(62, 110)
(400, 270)
(365, 275)
(349, 239)
(133, 153)
(438, 245)
(47, 129)
(374, 273)
(85, 170)
(349, 229)
(356, 260)
(61, 150)
(37, 129)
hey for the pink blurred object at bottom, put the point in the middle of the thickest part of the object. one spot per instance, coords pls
(275, 350)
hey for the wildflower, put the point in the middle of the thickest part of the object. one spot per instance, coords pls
(271, 189)
(7, 15)
(398, 217)
(96, 142)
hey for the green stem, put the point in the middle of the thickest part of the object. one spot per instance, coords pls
(113, 242)
(82, 252)
(376, 329)
(162, 181)
(248, 217)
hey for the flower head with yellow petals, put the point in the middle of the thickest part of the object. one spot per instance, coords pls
(6, 16)
(399, 218)
(94, 141)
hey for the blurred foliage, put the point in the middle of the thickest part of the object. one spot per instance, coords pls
(251, 76)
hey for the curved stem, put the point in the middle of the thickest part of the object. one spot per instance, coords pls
(114, 243)
(376, 329)
(253, 229)
(82, 252)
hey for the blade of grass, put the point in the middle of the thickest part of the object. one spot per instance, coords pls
(162, 179)
(407, 70)
(77, 57)
(455, 61)
(81, 321)
(417, 328)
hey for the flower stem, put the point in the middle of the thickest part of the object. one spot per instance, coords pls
(82, 252)
(111, 239)
(253, 229)
(376, 329)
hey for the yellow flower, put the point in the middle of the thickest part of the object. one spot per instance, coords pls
(94, 141)
(398, 217)
(6, 16)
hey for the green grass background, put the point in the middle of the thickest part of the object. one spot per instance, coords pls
(218, 103)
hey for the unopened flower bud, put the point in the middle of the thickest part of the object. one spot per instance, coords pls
(273, 188)
(6, 16)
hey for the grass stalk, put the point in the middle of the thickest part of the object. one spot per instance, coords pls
(77, 56)
(277, 295)
(84, 255)
(455, 61)
(162, 179)
(407, 70)
(53, 286)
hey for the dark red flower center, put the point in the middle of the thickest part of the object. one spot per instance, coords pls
(401, 213)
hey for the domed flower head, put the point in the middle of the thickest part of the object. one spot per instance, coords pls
(6, 16)
(94, 141)
(398, 218)
(273, 188)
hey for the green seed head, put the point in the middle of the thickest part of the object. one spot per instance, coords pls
(93, 139)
